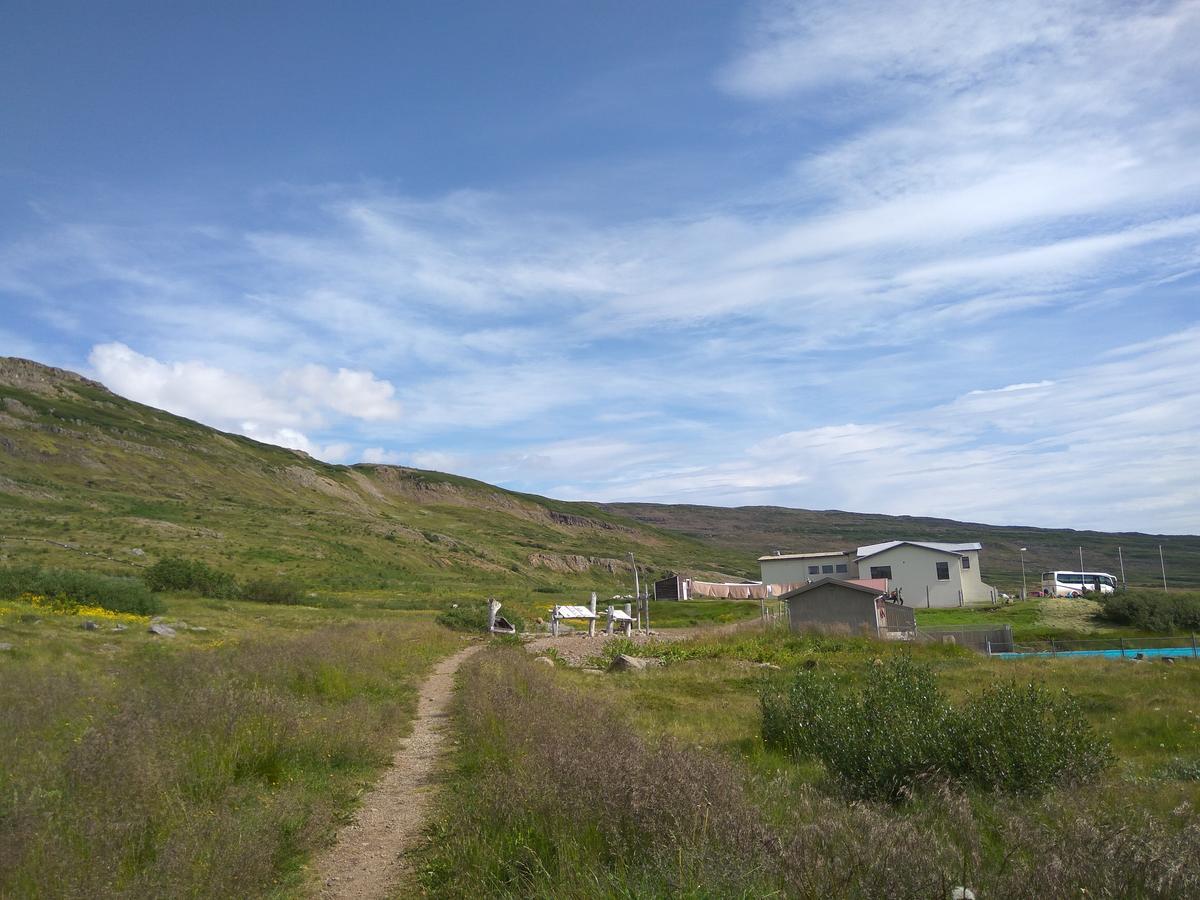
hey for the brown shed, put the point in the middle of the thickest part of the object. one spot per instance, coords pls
(836, 605)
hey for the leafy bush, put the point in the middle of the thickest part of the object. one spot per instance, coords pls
(1024, 739)
(899, 730)
(1153, 610)
(272, 590)
(175, 573)
(473, 617)
(71, 588)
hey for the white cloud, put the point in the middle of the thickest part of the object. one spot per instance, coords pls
(271, 410)
(381, 456)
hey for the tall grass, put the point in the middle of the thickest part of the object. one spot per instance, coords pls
(555, 795)
(203, 772)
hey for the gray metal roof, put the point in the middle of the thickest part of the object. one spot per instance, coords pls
(803, 555)
(872, 549)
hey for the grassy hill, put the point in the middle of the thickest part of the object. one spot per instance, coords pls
(84, 471)
(759, 530)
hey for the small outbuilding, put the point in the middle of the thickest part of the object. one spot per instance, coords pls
(832, 604)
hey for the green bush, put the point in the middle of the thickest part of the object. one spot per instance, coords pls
(272, 590)
(899, 730)
(69, 587)
(175, 573)
(1153, 610)
(473, 617)
(1024, 739)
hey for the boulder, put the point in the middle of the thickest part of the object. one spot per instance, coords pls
(4, 647)
(162, 630)
(625, 663)
(90, 626)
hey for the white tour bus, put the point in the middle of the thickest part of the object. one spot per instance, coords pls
(1072, 584)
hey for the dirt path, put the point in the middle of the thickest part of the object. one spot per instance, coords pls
(370, 858)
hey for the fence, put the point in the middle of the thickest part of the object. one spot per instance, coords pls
(1180, 645)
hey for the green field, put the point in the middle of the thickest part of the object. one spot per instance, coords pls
(659, 784)
(212, 763)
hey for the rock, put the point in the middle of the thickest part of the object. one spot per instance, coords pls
(198, 628)
(5, 647)
(120, 626)
(1168, 659)
(625, 663)
(588, 670)
(138, 551)
(962, 893)
(767, 665)
(90, 626)
(162, 630)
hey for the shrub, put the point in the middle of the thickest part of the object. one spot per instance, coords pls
(175, 573)
(69, 588)
(473, 617)
(272, 590)
(1153, 610)
(1024, 739)
(877, 743)
(899, 730)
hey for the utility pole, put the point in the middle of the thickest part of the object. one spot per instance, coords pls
(1024, 590)
(637, 588)
(1164, 567)
(1082, 577)
(1121, 558)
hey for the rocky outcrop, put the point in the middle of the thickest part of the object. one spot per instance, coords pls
(571, 562)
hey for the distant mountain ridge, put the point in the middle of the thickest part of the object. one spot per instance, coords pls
(83, 470)
(763, 529)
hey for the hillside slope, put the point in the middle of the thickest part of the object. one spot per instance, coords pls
(83, 470)
(759, 530)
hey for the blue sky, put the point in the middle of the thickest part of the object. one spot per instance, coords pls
(929, 258)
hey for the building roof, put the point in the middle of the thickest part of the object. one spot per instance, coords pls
(803, 555)
(820, 582)
(953, 549)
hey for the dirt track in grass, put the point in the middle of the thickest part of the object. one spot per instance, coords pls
(371, 857)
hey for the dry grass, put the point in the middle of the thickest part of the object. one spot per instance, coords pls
(191, 771)
(554, 794)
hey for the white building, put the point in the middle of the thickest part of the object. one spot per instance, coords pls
(926, 573)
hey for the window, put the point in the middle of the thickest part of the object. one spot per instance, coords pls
(826, 570)
(814, 570)
(966, 561)
(943, 570)
(881, 572)
(841, 568)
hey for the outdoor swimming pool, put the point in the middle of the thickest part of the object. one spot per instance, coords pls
(1127, 653)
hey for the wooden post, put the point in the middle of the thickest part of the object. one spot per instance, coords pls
(1122, 648)
(647, 612)
(629, 621)
(608, 629)
(493, 608)
(554, 621)
(1194, 644)
(592, 620)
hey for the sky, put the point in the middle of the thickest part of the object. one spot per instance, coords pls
(921, 257)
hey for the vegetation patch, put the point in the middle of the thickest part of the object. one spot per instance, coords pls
(175, 573)
(1153, 610)
(68, 591)
(473, 617)
(197, 771)
(883, 740)
(554, 793)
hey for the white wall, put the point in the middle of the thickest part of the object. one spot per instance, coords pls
(914, 569)
(780, 570)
